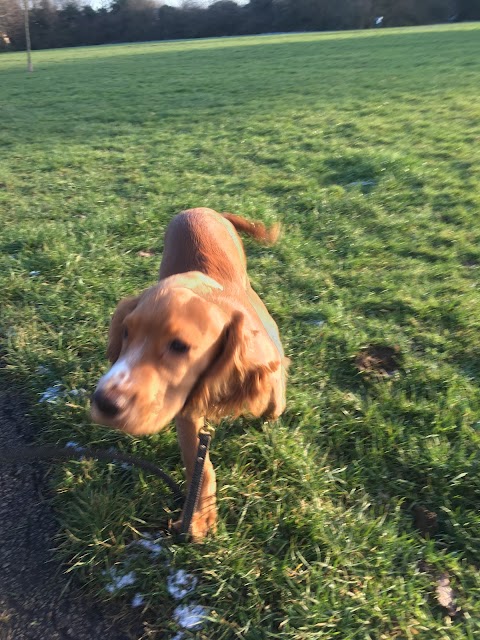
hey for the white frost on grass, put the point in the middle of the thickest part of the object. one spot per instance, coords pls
(187, 616)
(151, 544)
(52, 394)
(152, 547)
(42, 370)
(180, 583)
(138, 600)
(316, 323)
(362, 183)
(74, 445)
(122, 465)
(118, 581)
(190, 616)
(76, 393)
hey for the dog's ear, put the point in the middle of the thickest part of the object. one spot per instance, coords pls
(235, 383)
(115, 333)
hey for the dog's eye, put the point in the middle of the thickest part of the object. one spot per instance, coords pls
(177, 346)
(125, 333)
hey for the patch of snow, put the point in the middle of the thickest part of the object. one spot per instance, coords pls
(316, 323)
(55, 392)
(151, 543)
(152, 547)
(52, 394)
(180, 583)
(74, 445)
(42, 369)
(362, 183)
(138, 600)
(190, 616)
(123, 465)
(119, 581)
(77, 392)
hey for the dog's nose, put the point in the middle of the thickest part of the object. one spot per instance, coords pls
(109, 402)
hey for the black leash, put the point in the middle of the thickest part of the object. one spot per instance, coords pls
(204, 438)
(51, 452)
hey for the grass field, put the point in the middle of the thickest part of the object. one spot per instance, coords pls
(342, 519)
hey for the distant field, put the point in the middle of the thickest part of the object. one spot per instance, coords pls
(340, 520)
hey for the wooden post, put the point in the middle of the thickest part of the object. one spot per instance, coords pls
(27, 36)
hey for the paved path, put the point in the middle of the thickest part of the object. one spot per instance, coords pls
(37, 600)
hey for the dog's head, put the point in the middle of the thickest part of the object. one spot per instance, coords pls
(175, 351)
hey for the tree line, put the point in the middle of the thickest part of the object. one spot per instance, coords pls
(68, 23)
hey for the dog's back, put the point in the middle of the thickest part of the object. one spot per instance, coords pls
(204, 240)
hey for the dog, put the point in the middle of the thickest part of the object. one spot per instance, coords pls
(199, 344)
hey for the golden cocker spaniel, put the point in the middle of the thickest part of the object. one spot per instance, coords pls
(198, 344)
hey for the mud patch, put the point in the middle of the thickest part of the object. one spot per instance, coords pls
(379, 359)
(425, 521)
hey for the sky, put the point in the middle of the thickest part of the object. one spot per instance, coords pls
(96, 4)
(100, 3)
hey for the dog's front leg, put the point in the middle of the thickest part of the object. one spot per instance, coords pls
(205, 516)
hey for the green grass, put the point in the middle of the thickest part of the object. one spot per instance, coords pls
(366, 146)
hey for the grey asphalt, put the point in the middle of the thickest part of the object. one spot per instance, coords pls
(37, 600)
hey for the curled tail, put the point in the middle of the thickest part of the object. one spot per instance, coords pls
(256, 229)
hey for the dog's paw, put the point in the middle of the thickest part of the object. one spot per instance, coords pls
(204, 522)
(202, 525)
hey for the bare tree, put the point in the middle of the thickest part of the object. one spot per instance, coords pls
(27, 36)
(7, 12)
(10, 21)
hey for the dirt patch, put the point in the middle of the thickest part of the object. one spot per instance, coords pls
(425, 521)
(378, 359)
(37, 600)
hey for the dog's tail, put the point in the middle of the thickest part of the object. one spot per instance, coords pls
(256, 229)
